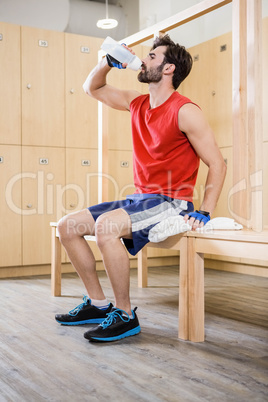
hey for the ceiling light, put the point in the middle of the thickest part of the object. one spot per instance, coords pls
(107, 23)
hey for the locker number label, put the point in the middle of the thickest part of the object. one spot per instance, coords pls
(43, 43)
(124, 164)
(43, 161)
(85, 162)
(85, 49)
(1, 159)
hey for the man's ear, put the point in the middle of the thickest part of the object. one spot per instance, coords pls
(169, 69)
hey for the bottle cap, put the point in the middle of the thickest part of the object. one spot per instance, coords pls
(135, 64)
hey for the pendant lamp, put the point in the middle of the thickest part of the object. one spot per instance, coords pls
(107, 23)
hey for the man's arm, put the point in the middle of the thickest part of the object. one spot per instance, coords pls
(193, 123)
(96, 87)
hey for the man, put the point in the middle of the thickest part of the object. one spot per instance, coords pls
(170, 134)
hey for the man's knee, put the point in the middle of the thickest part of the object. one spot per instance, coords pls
(105, 229)
(109, 227)
(66, 228)
(75, 225)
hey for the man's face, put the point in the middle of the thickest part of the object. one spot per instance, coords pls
(152, 66)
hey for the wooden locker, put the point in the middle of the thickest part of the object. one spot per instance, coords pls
(10, 94)
(120, 178)
(81, 178)
(220, 112)
(82, 183)
(197, 85)
(81, 56)
(42, 87)
(10, 205)
(43, 192)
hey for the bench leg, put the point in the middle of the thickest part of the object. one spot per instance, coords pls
(55, 264)
(196, 293)
(183, 292)
(142, 268)
(191, 294)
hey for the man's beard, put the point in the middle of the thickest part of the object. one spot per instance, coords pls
(151, 75)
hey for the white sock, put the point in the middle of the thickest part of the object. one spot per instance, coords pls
(101, 304)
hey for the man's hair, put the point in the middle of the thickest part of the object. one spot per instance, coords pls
(177, 55)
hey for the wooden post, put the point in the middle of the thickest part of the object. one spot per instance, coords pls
(239, 194)
(247, 113)
(254, 103)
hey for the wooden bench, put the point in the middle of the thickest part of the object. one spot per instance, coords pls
(232, 243)
(192, 247)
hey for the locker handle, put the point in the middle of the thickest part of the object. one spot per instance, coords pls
(71, 91)
(28, 86)
(29, 205)
(72, 205)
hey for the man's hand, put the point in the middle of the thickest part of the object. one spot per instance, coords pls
(197, 219)
(112, 62)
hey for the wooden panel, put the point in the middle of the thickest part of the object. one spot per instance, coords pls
(233, 248)
(42, 87)
(42, 200)
(81, 56)
(10, 205)
(223, 207)
(265, 185)
(10, 95)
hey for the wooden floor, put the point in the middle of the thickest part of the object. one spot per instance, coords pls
(43, 361)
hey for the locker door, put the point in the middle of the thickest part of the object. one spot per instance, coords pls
(82, 183)
(10, 98)
(220, 116)
(120, 178)
(42, 87)
(197, 85)
(81, 54)
(42, 200)
(10, 205)
(81, 178)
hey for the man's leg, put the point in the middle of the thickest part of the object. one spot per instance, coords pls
(110, 227)
(72, 229)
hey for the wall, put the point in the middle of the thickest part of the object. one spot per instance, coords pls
(209, 26)
(73, 16)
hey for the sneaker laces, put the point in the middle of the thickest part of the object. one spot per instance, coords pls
(78, 308)
(112, 316)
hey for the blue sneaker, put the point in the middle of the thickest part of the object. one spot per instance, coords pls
(85, 313)
(117, 325)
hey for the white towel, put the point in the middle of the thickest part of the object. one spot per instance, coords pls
(220, 224)
(175, 224)
(168, 227)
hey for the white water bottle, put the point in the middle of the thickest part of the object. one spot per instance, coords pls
(120, 53)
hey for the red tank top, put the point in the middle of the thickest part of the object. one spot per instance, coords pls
(164, 162)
